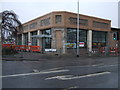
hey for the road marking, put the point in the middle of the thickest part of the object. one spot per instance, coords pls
(52, 69)
(73, 87)
(69, 77)
(59, 77)
(97, 65)
(108, 66)
(26, 74)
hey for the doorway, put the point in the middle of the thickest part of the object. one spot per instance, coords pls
(59, 43)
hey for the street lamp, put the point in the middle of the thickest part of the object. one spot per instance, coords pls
(0, 25)
(78, 30)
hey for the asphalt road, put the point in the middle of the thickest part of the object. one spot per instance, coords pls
(37, 74)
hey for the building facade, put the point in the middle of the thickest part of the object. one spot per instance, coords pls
(115, 37)
(58, 30)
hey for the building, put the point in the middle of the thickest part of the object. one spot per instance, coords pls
(57, 30)
(115, 37)
(0, 25)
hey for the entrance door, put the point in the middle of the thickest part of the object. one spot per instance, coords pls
(58, 39)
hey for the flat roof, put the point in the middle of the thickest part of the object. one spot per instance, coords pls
(64, 12)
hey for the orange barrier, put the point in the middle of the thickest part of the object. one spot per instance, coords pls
(27, 47)
(23, 47)
(8, 45)
(17, 47)
(35, 48)
(102, 50)
(113, 51)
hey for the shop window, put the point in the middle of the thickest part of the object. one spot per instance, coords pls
(47, 40)
(34, 40)
(19, 39)
(26, 38)
(99, 39)
(72, 36)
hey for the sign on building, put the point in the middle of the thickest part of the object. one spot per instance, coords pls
(81, 44)
(50, 50)
(70, 45)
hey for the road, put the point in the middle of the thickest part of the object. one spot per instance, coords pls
(43, 74)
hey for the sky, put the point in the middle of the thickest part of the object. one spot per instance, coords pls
(31, 9)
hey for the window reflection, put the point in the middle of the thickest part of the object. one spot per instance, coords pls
(47, 40)
(99, 39)
(72, 36)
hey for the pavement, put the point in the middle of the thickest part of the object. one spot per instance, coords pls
(83, 60)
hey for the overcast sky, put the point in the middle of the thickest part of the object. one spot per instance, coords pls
(30, 9)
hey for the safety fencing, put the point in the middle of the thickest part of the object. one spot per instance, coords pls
(110, 51)
(103, 50)
(114, 51)
(8, 46)
(27, 48)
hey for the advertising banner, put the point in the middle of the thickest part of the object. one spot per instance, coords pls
(81, 44)
(70, 45)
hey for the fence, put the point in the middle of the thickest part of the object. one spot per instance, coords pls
(110, 50)
(102, 50)
(23, 47)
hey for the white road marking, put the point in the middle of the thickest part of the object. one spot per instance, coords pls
(52, 69)
(108, 66)
(73, 87)
(69, 77)
(16, 75)
(97, 65)
(58, 77)
(49, 70)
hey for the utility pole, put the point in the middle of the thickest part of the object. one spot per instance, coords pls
(0, 51)
(78, 29)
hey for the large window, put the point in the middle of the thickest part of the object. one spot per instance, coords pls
(25, 27)
(100, 25)
(33, 25)
(34, 40)
(83, 22)
(45, 22)
(83, 36)
(58, 19)
(99, 38)
(19, 39)
(47, 40)
(26, 38)
(72, 36)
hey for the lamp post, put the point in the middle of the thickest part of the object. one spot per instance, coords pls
(0, 24)
(0, 52)
(78, 30)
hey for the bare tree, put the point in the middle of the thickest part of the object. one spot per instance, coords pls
(10, 25)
